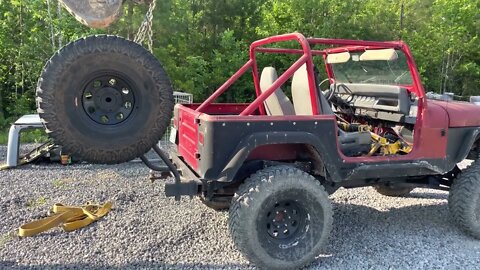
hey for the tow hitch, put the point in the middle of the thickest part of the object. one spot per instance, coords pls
(191, 184)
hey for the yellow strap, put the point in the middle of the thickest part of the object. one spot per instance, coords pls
(69, 217)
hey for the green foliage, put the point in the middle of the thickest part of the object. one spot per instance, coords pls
(202, 43)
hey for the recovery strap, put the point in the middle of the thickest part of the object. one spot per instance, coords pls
(70, 218)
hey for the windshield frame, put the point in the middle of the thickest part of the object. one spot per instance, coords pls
(383, 72)
(416, 87)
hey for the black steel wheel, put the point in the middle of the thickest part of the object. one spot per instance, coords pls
(280, 218)
(285, 220)
(108, 98)
(105, 99)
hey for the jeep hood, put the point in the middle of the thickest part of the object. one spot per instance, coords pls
(461, 114)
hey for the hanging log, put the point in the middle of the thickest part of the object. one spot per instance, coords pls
(97, 13)
(94, 13)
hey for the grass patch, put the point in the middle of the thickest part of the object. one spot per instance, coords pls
(27, 136)
(4, 238)
(63, 183)
(58, 183)
(37, 202)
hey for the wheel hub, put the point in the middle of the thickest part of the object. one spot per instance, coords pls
(285, 220)
(108, 99)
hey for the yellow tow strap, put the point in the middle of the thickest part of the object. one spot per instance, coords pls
(69, 217)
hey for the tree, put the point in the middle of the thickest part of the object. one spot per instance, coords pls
(202, 42)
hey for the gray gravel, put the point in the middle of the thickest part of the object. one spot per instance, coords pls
(146, 230)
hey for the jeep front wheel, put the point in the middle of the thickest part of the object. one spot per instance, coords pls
(280, 218)
(464, 200)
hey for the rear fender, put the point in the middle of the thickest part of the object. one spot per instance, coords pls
(255, 140)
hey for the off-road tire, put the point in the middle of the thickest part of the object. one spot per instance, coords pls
(253, 201)
(393, 191)
(217, 204)
(464, 200)
(61, 99)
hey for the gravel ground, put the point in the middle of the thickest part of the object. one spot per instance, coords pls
(146, 230)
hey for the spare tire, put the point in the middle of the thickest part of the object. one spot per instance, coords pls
(105, 99)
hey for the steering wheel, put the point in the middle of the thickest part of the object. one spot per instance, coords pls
(330, 93)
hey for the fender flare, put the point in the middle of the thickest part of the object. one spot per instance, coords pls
(469, 140)
(255, 140)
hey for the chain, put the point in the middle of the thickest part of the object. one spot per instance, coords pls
(145, 31)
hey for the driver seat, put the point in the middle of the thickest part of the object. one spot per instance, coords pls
(351, 143)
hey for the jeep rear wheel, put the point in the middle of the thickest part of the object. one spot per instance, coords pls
(464, 200)
(105, 99)
(280, 218)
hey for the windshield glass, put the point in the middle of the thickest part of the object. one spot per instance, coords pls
(394, 72)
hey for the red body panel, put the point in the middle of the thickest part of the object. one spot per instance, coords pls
(275, 152)
(188, 135)
(460, 114)
(220, 109)
(430, 132)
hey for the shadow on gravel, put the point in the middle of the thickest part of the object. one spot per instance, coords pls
(428, 195)
(382, 239)
(133, 265)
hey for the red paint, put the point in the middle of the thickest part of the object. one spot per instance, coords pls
(188, 135)
(276, 152)
(264, 118)
(287, 51)
(461, 114)
(201, 138)
(220, 108)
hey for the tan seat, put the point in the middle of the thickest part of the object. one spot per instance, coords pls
(351, 143)
(301, 95)
(277, 103)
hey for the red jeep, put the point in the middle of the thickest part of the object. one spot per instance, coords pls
(273, 162)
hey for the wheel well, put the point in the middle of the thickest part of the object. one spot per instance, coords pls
(474, 149)
(300, 155)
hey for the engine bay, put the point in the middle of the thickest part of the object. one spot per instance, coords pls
(385, 114)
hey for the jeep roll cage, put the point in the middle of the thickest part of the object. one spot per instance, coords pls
(306, 58)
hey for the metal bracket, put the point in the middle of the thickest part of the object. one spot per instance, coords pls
(189, 188)
(178, 188)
